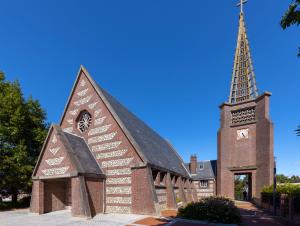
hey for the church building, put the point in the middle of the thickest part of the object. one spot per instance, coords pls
(101, 158)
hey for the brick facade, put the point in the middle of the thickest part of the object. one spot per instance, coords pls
(127, 184)
(249, 152)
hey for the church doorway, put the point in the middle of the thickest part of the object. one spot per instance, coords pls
(243, 186)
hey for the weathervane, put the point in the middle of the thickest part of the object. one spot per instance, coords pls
(241, 4)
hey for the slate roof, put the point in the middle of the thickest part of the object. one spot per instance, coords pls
(77, 150)
(82, 153)
(155, 150)
(209, 170)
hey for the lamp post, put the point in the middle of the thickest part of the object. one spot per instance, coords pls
(274, 189)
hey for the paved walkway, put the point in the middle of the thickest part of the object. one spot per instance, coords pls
(168, 219)
(63, 218)
(252, 216)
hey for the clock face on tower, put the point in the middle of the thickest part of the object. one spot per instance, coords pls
(242, 134)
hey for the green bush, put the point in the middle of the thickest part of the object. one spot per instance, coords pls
(286, 188)
(212, 209)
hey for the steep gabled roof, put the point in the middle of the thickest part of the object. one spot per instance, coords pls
(155, 149)
(207, 171)
(76, 149)
(81, 152)
(152, 148)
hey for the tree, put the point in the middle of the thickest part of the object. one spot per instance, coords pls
(23, 129)
(295, 179)
(292, 16)
(282, 179)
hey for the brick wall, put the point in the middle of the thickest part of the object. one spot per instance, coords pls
(95, 194)
(105, 138)
(55, 195)
(252, 155)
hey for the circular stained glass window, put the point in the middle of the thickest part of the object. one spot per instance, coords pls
(84, 122)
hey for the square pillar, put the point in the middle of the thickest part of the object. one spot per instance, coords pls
(37, 204)
(80, 201)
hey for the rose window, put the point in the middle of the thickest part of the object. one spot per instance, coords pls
(84, 121)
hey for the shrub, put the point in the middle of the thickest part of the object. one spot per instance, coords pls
(286, 188)
(212, 209)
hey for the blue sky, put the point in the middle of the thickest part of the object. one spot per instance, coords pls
(169, 62)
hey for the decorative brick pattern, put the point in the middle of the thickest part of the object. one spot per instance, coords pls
(97, 113)
(54, 139)
(118, 190)
(93, 105)
(74, 112)
(54, 150)
(82, 92)
(117, 162)
(99, 121)
(120, 180)
(243, 116)
(118, 200)
(83, 100)
(82, 82)
(106, 146)
(98, 130)
(54, 161)
(55, 171)
(70, 121)
(114, 172)
(118, 209)
(112, 154)
(102, 138)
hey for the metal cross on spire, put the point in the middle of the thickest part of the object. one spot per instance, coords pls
(241, 4)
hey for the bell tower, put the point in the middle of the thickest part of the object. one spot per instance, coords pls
(245, 136)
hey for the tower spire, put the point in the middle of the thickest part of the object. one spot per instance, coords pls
(243, 84)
